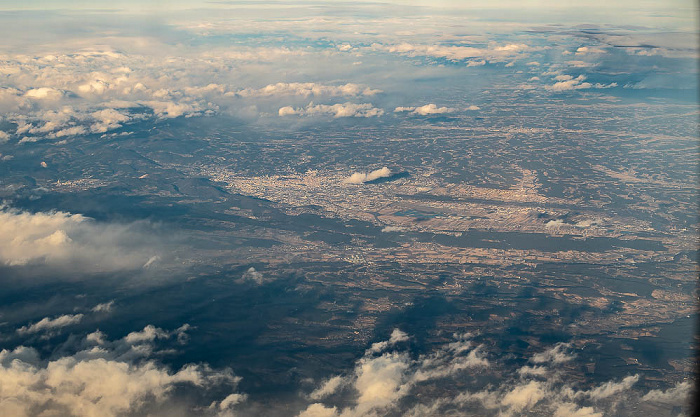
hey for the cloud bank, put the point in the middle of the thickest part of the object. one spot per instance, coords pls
(387, 380)
(109, 379)
(308, 89)
(336, 110)
(72, 241)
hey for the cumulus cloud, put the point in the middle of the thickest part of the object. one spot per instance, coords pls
(557, 354)
(493, 53)
(361, 178)
(524, 396)
(254, 276)
(396, 337)
(611, 388)
(336, 110)
(46, 323)
(678, 394)
(104, 307)
(72, 241)
(583, 50)
(428, 109)
(388, 380)
(382, 377)
(308, 89)
(107, 119)
(97, 91)
(44, 93)
(568, 83)
(331, 386)
(101, 381)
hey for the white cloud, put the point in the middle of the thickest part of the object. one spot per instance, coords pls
(331, 386)
(101, 381)
(425, 110)
(583, 50)
(572, 410)
(388, 380)
(382, 378)
(308, 89)
(397, 336)
(47, 324)
(336, 110)
(568, 84)
(611, 388)
(148, 334)
(524, 396)
(319, 410)
(107, 119)
(555, 223)
(492, 53)
(104, 307)
(171, 109)
(556, 354)
(287, 111)
(252, 275)
(677, 395)
(44, 93)
(361, 178)
(72, 241)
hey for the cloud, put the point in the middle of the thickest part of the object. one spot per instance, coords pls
(102, 381)
(104, 307)
(678, 394)
(44, 93)
(361, 178)
(426, 110)
(382, 378)
(524, 396)
(308, 89)
(570, 83)
(47, 324)
(148, 334)
(252, 275)
(397, 336)
(493, 53)
(556, 354)
(572, 410)
(583, 50)
(611, 388)
(72, 241)
(331, 386)
(336, 110)
(107, 119)
(388, 380)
